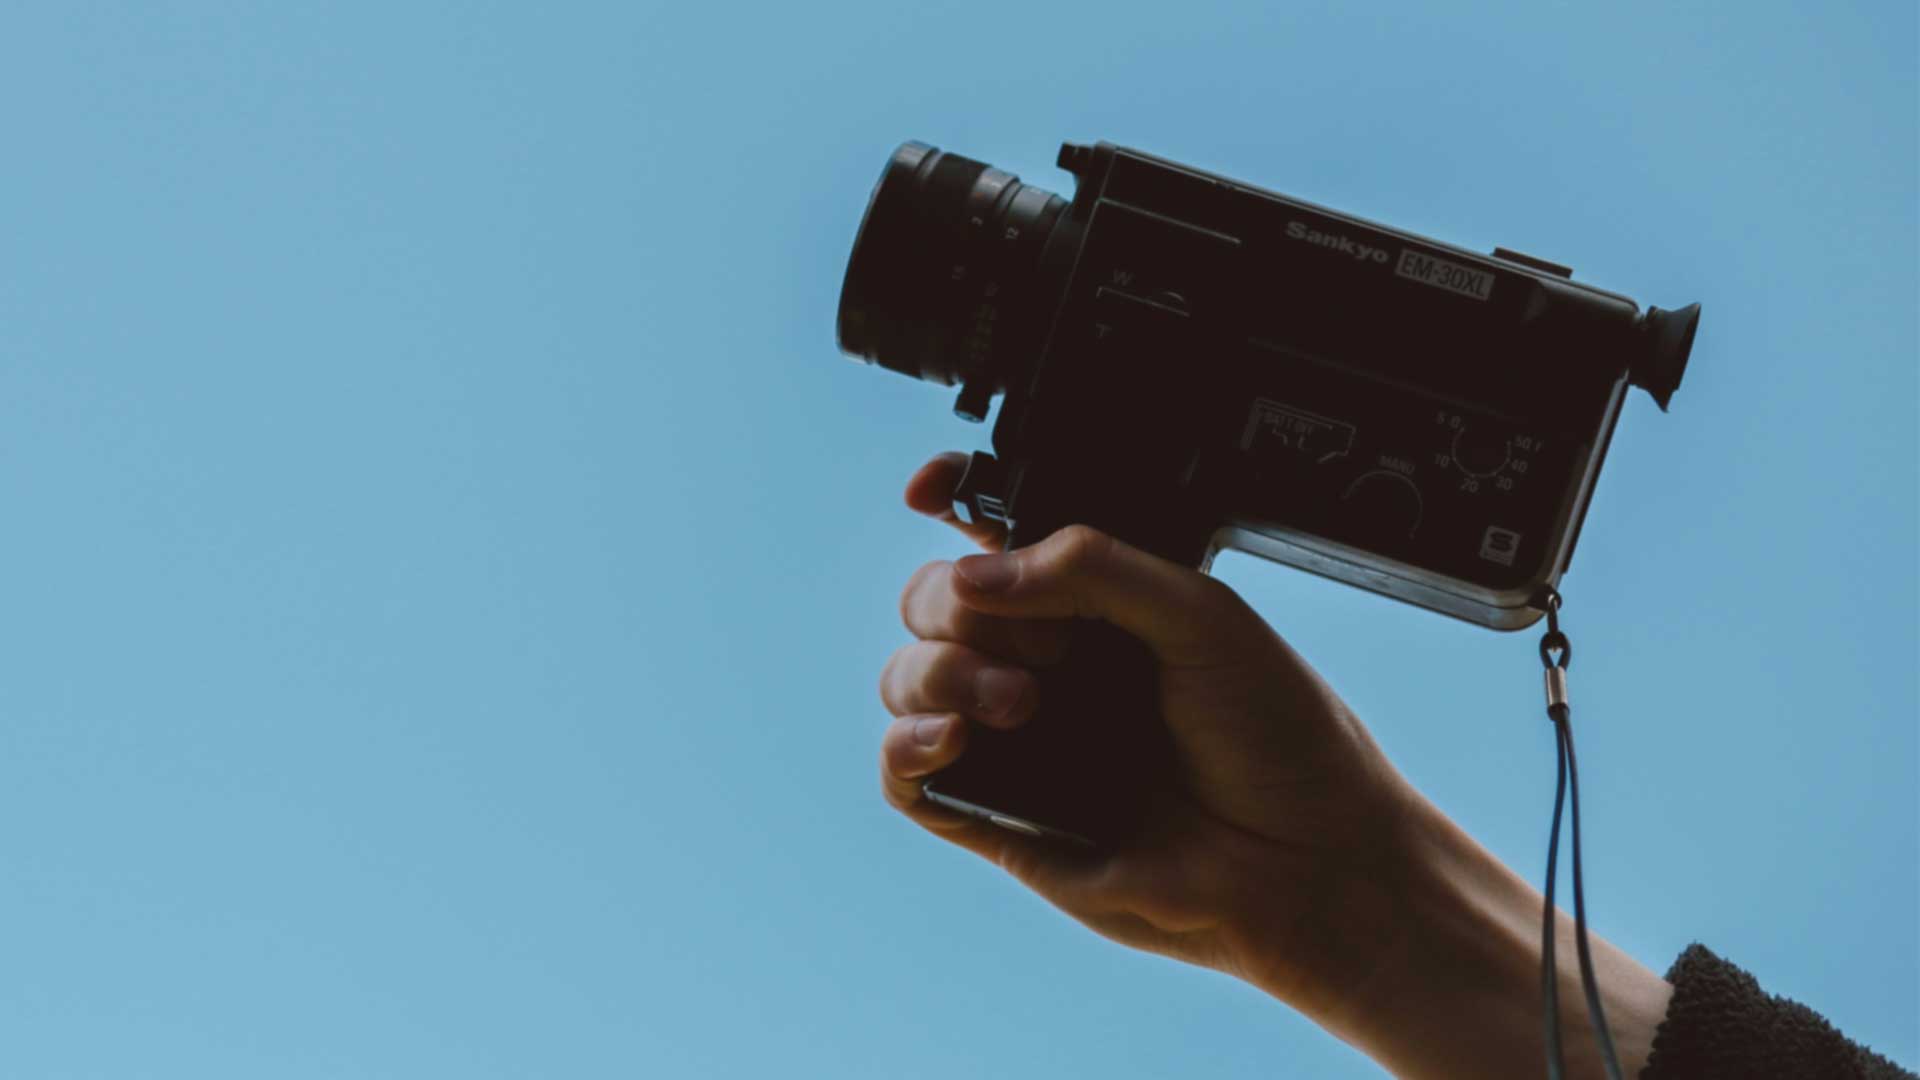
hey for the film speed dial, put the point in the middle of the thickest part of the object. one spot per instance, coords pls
(1481, 451)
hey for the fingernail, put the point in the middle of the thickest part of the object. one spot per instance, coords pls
(996, 689)
(988, 573)
(928, 730)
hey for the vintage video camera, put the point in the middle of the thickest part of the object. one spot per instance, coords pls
(1191, 363)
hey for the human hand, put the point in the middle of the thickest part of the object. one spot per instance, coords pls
(1289, 852)
(1265, 858)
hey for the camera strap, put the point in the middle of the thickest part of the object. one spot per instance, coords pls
(1556, 653)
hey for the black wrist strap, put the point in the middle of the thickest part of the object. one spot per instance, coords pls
(1561, 714)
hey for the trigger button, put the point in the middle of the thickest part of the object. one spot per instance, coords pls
(981, 493)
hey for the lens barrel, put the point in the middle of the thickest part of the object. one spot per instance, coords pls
(944, 283)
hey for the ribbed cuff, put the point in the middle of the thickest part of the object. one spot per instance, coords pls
(1720, 1024)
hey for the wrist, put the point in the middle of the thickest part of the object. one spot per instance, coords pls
(1430, 964)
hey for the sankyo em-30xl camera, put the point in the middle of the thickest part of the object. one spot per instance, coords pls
(1191, 363)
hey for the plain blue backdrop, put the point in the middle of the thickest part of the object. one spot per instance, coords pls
(445, 563)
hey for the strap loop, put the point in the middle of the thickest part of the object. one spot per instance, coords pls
(1548, 600)
(1551, 640)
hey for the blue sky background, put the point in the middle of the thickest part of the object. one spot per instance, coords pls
(445, 563)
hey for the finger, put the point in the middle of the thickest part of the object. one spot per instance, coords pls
(913, 748)
(931, 610)
(930, 492)
(942, 676)
(1187, 618)
(916, 746)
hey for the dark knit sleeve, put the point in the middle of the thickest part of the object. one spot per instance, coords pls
(1721, 1024)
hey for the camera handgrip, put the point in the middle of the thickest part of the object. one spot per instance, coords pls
(1089, 761)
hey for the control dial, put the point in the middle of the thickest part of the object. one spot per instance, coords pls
(1481, 453)
(1383, 503)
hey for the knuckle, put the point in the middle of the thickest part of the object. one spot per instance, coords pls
(890, 790)
(945, 665)
(893, 672)
(924, 674)
(936, 612)
(1081, 547)
(915, 586)
(894, 750)
(1078, 553)
(893, 787)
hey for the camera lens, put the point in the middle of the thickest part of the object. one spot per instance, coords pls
(1668, 339)
(945, 282)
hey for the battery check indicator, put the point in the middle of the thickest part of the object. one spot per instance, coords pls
(1309, 434)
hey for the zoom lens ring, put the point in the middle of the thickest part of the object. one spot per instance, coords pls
(940, 284)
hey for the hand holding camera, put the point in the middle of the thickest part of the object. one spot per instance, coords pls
(1188, 363)
(1285, 849)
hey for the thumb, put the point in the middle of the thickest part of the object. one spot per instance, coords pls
(1187, 618)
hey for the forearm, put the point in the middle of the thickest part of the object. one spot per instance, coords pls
(1453, 990)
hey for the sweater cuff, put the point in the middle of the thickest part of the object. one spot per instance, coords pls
(1721, 1024)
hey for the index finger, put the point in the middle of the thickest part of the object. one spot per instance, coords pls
(930, 492)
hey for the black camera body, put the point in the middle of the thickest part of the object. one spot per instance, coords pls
(1191, 363)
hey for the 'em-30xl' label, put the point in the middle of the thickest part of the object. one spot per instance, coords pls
(1441, 274)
